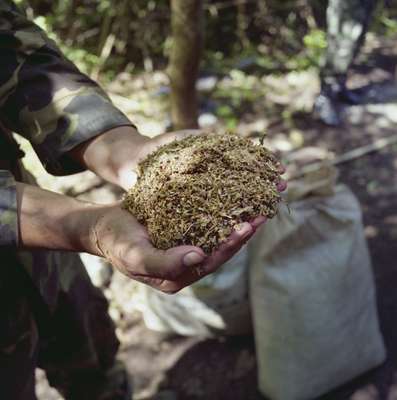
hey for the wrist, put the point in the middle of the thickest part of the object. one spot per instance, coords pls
(82, 226)
(54, 221)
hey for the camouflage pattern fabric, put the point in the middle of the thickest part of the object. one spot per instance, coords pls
(44, 97)
(50, 313)
(8, 210)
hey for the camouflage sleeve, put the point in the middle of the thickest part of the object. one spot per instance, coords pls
(44, 97)
(8, 210)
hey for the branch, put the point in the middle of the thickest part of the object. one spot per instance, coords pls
(348, 156)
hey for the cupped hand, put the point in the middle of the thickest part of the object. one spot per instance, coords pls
(118, 237)
(126, 163)
(127, 154)
(121, 239)
(115, 154)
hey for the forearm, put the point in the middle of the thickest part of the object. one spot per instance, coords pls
(53, 221)
(44, 97)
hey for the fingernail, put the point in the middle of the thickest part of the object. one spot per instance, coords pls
(281, 186)
(192, 258)
(244, 229)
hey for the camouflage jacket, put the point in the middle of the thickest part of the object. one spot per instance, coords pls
(46, 99)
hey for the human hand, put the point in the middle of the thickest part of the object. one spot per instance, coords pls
(118, 237)
(126, 165)
(125, 243)
(114, 155)
(57, 222)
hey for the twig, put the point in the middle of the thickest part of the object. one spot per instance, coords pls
(222, 5)
(105, 53)
(235, 3)
(348, 156)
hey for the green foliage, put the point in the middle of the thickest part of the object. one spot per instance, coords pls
(237, 91)
(141, 30)
(278, 36)
(385, 20)
(316, 43)
(228, 115)
(388, 26)
(84, 60)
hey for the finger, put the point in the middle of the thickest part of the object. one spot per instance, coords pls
(165, 138)
(167, 264)
(127, 178)
(171, 279)
(258, 221)
(226, 250)
(163, 285)
(282, 185)
(240, 233)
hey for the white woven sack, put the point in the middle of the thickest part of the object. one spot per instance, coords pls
(218, 302)
(313, 299)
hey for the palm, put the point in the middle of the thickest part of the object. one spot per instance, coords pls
(126, 244)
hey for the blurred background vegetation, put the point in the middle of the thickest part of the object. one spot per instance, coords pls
(134, 35)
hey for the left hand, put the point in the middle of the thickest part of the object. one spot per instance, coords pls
(115, 154)
(118, 237)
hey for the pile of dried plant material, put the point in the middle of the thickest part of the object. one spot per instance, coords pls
(195, 191)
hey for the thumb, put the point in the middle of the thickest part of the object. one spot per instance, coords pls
(170, 264)
(127, 178)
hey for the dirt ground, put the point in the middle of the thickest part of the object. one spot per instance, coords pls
(170, 368)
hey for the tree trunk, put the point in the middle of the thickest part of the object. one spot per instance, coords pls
(186, 24)
(242, 24)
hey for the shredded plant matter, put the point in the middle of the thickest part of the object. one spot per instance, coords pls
(197, 190)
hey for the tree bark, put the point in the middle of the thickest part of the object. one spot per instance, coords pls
(242, 24)
(186, 25)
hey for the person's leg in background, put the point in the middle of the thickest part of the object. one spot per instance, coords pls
(347, 22)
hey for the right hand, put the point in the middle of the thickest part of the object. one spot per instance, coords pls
(117, 236)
